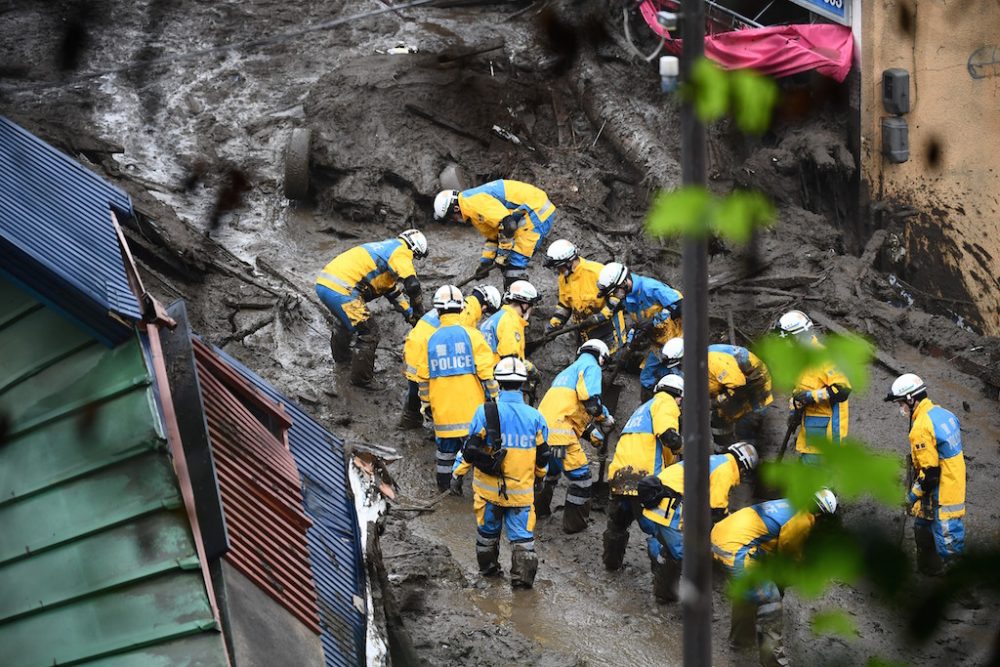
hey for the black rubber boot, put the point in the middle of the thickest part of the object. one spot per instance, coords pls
(575, 517)
(523, 567)
(543, 500)
(340, 343)
(928, 560)
(443, 481)
(410, 420)
(743, 625)
(769, 636)
(666, 575)
(363, 364)
(488, 557)
(615, 541)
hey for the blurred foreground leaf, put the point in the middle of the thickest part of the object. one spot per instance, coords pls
(753, 99)
(834, 622)
(685, 211)
(708, 90)
(788, 358)
(740, 213)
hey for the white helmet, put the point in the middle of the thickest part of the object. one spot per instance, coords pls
(673, 384)
(510, 370)
(906, 387)
(673, 352)
(443, 203)
(560, 253)
(613, 276)
(415, 241)
(448, 299)
(826, 501)
(597, 347)
(793, 323)
(747, 457)
(488, 295)
(521, 291)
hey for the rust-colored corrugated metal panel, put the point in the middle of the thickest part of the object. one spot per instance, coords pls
(260, 487)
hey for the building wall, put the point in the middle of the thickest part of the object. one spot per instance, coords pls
(946, 198)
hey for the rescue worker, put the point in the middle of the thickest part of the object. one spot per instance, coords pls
(508, 455)
(662, 515)
(514, 217)
(650, 441)
(484, 299)
(749, 535)
(362, 274)
(579, 298)
(455, 376)
(504, 330)
(819, 400)
(655, 307)
(573, 409)
(937, 497)
(739, 384)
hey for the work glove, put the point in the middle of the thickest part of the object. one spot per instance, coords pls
(483, 270)
(455, 486)
(802, 398)
(720, 400)
(425, 410)
(412, 318)
(594, 320)
(550, 328)
(539, 485)
(597, 438)
(607, 422)
(501, 260)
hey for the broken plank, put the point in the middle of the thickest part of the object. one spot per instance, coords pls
(417, 111)
(886, 360)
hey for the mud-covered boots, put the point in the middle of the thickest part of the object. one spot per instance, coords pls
(666, 574)
(363, 364)
(769, 635)
(615, 541)
(575, 516)
(410, 419)
(928, 560)
(743, 625)
(543, 499)
(523, 566)
(488, 556)
(340, 343)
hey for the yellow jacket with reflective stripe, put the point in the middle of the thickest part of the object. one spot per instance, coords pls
(562, 404)
(638, 453)
(936, 440)
(522, 429)
(578, 292)
(381, 264)
(486, 205)
(723, 476)
(504, 330)
(822, 420)
(770, 526)
(415, 343)
(458, 364)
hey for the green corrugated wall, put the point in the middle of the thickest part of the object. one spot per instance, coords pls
(97, 562)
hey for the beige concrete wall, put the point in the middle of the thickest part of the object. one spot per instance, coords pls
(952, 235)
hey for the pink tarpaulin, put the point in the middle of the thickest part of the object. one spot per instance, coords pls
(777, 50)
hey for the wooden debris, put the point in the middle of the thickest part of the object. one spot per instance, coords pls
(417, 111)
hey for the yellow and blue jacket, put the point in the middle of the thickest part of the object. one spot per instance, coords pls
(733, 369)
(485, 206)
(369, 270)
(936, 441)
(765, 528)
(456, 376)
(650, 299)
(723, 476)
(578, 297)
(824, 420)
(415, 343)
(562, 404)
(639, 452)
(522, 431)
(504, 331)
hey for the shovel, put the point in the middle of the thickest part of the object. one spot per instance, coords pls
(533, 345)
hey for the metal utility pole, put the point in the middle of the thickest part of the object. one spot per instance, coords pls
(696, 578)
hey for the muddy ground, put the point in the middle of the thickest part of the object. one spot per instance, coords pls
(198, 142)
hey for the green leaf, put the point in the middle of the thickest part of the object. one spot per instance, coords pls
(851, 354)
(834, 622)
(785, 358)
(885, 662)
(685, 211)
(799, 482)
(855, 471)
(708, 90)
(740, 213)
(753, 100)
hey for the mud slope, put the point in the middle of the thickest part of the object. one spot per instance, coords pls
(198, 143)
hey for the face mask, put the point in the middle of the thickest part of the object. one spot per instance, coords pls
(903, 411)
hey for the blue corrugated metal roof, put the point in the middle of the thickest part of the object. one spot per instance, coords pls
(334, 541)
(56, 235)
